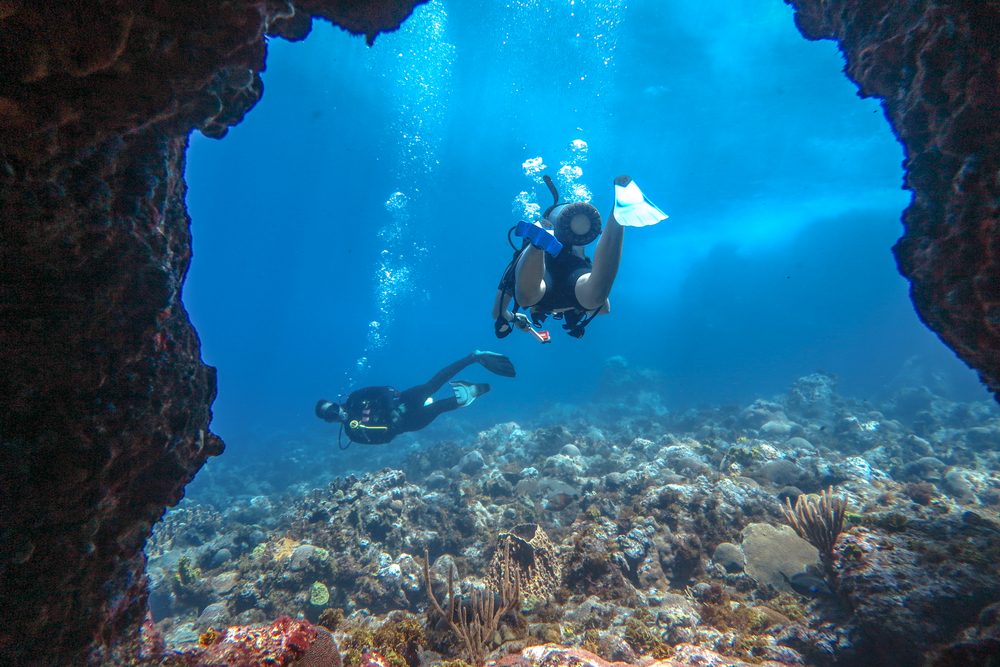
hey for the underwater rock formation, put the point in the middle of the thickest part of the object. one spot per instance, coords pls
(104, 400)
(936, 66)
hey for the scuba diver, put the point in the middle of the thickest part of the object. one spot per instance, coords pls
(550, 273)
(376, 415)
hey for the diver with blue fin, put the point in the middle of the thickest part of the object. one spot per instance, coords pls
(551, 274)
(376, 415)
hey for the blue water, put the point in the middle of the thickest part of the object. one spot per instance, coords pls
(783, 189)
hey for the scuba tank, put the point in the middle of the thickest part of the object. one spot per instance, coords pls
(575, 224)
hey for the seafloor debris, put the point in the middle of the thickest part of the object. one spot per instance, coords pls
(672, 544)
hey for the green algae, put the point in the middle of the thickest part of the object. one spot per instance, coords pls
(186, 574)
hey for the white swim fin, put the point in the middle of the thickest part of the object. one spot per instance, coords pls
(632, 209)
(467, 392)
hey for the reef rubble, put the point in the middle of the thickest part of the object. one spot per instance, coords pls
(637, 539)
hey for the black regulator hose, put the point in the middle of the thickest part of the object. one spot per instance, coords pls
(555, 195)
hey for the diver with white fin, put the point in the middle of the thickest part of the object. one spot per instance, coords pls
(376, 415)
(551, 274)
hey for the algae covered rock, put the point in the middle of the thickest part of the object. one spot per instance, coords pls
(224, 582)
(215, 615)
(773, 550)
(730, 557)
(319, 595)
(781, 472)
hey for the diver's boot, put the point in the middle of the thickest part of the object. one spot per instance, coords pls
(467, 392)
(495, 363)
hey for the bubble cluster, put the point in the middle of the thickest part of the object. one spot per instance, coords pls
(416, 64)
(396, 204)
(570, 173)
(375, 339)
(526, 206)
(393, 274)
(578, 150)
(394, 282)
(605, 25)
(533, 169)
(568, 180)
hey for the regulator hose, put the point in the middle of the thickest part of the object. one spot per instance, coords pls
(555, 195)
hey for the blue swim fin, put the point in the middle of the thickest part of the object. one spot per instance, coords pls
(632, 209)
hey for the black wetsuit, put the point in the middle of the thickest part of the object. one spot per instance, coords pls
(561, 274)
(376, 415)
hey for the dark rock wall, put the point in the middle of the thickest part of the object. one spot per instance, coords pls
(936, 66)
(104, 400)
(104, 405)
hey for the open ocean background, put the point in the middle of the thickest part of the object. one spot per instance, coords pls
(352, 230)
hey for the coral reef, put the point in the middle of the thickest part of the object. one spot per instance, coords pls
(936, 66)
(674, 547)
(104, 400)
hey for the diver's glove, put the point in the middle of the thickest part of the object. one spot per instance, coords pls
(507, 321)
(502, 327)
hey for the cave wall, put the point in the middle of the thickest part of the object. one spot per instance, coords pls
(104, 401)
(936, 66)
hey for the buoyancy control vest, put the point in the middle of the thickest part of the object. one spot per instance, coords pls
(370, 415)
